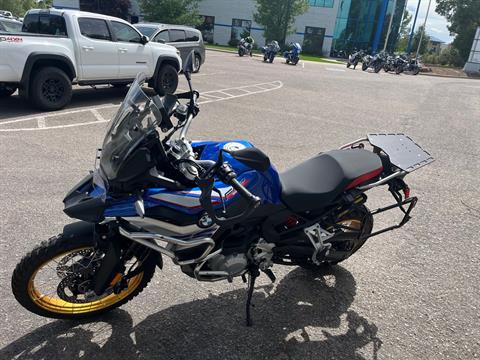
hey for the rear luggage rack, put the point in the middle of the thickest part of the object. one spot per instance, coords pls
(402, 151)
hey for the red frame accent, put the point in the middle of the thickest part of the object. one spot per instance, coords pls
(363, 178)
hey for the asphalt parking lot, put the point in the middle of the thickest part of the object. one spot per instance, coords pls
(408, 294)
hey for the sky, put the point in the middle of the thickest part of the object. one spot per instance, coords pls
(436, 24)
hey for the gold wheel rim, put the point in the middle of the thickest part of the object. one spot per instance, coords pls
(60, 306)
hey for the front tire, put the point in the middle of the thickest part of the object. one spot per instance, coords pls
(51, 89)
(52, 255)
(364, 67)
(167, 80)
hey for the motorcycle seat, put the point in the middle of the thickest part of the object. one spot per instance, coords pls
(317, 182)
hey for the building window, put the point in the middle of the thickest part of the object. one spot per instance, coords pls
(322, 3)
(240, 29)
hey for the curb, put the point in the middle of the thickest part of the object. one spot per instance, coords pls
(259, 55)
(450, 76)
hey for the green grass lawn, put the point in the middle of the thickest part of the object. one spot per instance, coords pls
(302, 57)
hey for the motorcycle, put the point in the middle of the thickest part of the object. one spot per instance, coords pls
(270, 50)
(355, 58)
(218, 209)
(375, 62)
(390, 63)
(405, 64)
(244, 48)
(293, 55)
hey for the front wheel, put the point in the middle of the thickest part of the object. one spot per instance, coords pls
(55, 279)
(271, 58)
(240, 52)
(364, 67)
(348, 65)
(167, 80)
(377, 68)
(416, 71)
(197, 64)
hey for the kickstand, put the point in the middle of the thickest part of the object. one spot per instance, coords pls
(252, 276)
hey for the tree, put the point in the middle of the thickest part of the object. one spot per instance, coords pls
(278, 17)
(416, 40)
(18, 7)
(464, 17)
(183, 12)
(405, 24)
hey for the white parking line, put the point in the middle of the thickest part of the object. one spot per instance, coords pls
(209, 98)
(41, 122)
(333, 69)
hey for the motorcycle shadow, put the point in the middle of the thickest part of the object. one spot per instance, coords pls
(305, 317)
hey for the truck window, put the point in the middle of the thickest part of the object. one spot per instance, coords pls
(94, 28)
(177, 35)
(45, 24)
(192, 36)
(162, 35)
(125, 33)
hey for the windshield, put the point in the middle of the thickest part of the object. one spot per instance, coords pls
(137, 117)
(12, 26)
(146, 30)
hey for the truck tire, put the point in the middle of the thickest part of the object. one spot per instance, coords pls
(166, 81)
(51, 89)
(6, 90)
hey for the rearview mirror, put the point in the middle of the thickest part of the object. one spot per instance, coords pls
(251, 157)
(144, 40)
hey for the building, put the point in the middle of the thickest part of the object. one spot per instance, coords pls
(435, 45)
(226, 21)
(328, 26)
(94, 5)
(363, 24)
(473, 64)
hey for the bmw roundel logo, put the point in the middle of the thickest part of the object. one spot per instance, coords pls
(233, 146)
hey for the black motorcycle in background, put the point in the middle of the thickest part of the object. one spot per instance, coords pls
(355, 58)
(244, 48)
(375, 62)
(270, 51)
(406, 64)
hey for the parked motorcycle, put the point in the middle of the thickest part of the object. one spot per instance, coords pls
(270, 51)
(292, 56)
(245, 48)
(375, 62)
(218, 209)
(390, 63)
(355, 58)
(407, 64)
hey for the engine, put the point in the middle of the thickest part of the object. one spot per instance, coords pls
(233, 264)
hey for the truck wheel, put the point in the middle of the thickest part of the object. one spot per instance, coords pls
(197, 63)
(166, 81)
(6, 90)
(51, 89)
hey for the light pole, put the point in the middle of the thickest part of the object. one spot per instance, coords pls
(424, 28)
(390, 25)
(409, 46)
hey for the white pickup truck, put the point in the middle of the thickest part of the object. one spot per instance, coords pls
(58, 48)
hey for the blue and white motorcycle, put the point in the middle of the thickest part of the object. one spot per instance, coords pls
(270, 50)
(219, 210)
(292, 56)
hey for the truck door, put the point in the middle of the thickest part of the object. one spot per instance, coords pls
(99, 59)
(134, 56)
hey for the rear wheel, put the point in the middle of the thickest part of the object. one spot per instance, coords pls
(416, 71)
(197, 63)
(51, 89)
(377, 68)
(357, 224)
(6, 90)
(167, 80)
(55, 279)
